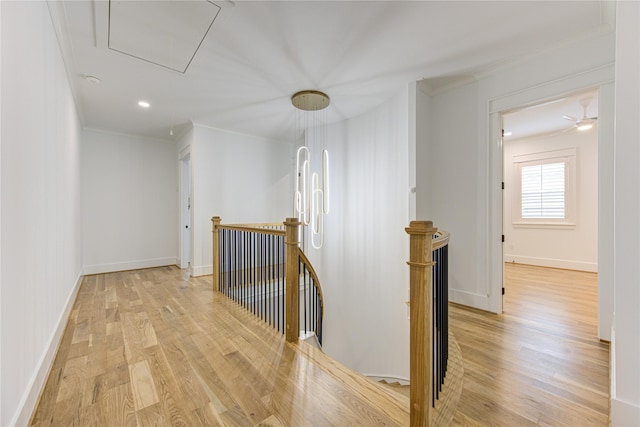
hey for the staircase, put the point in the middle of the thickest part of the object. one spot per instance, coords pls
(446, 405)
(261, 267)
(396, 387)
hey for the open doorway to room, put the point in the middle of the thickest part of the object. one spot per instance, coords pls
(550, 211)
(554, 337)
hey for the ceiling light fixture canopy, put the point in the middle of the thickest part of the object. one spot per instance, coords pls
(311, 197)
(310, 100)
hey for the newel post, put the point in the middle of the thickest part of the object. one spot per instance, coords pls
(292, 226)
(215, 222)
(421, 321)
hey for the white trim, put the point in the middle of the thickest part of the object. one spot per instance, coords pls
(551, 90)
(566, 156)
(531, 95)
(565, 264)
(624, 413)
(493, 300)
(137, 137)
(36, 383)
(185, 215)
(128, 265)
(1, 388)
(202, 270)
(471, 299)
(621, 413)
(543, 224)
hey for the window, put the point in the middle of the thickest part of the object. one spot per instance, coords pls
(544, 188)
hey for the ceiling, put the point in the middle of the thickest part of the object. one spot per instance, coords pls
(255, 55)
(547, 118)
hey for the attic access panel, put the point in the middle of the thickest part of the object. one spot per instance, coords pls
(165, 33)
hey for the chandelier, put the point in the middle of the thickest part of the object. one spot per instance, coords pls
(311, 197)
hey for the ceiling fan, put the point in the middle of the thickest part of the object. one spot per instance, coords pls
(585, 123)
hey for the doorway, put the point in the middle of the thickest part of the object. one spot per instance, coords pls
(185, 229)
(502, 201)
(550, 201)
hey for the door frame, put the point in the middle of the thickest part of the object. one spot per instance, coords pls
(185, 214)
(601, 78)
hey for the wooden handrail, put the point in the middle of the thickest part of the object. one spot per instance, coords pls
(421, 321)
(440, 239)
(257, 225)
(255, 228)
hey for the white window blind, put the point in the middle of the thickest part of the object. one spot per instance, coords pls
(543, 190)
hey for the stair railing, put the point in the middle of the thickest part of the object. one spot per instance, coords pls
(261, 267)
(312, 301)
(440, 280)
(428, 314)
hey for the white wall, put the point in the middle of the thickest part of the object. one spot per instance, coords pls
(422, 150)
(40, 200)
(625, 345)
(362, 265)
(129, 202)
(458, 193)
(463, 156)
(241, 178)
(561, 247)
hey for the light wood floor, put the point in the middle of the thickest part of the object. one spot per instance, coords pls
(540, 363)
(155, 348)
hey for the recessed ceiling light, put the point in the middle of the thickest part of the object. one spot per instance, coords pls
(508, 133)
(585, 126)
(144, 104)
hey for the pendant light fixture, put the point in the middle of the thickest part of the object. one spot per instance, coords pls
(311, 197)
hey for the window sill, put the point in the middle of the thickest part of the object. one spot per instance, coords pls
(551, 225)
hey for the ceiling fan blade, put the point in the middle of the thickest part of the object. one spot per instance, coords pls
(570, 118)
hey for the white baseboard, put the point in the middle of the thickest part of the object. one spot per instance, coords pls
(470, 299)
(201, 270)
(624, 414)
(554, 263)
(128, 265)
(37, 381)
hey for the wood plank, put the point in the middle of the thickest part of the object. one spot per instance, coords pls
(142, 385)
(540, 362)
(212, 363)
(117, 407)
(163, 349)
